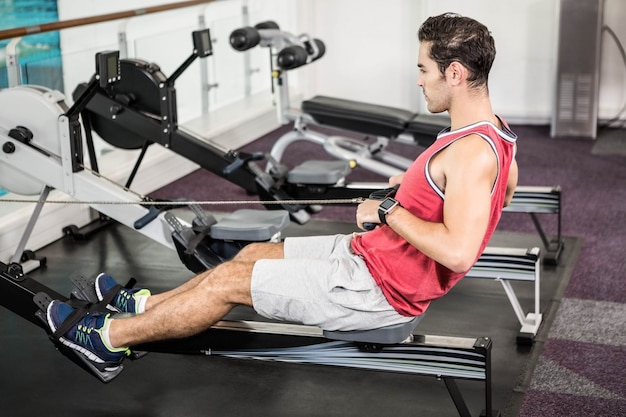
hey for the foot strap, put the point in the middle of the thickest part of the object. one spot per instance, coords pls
(101, 306)
(43, 300)
(104, 372)
(84, 293)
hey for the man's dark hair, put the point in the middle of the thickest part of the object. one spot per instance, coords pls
(457, 38)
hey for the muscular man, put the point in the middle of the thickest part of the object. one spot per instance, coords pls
(443, 215)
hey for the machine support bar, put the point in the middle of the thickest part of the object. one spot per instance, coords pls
(456, 396)
(17, 256)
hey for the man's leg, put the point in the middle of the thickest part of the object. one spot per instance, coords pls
(188, 312)
(250, 253)
(105, 340)
(184, 312)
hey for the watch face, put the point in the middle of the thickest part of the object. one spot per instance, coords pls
(388, 203)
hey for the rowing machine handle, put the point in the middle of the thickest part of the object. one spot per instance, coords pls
(153, 213)
(380, 195)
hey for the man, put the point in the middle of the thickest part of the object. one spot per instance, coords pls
(428, 237)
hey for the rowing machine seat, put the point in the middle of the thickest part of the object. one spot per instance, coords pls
(396, 333)
(319, 172)
(250, 225)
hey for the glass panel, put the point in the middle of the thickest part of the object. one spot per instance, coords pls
(41, 52)
(227, 66)
(42, 70)
(188, 85)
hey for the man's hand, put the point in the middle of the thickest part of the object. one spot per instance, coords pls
(367, 212)
(396, 180)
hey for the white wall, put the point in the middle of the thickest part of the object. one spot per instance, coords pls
(372, 52)
(372, 55)
(371, 48)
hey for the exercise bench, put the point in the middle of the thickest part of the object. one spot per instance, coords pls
(514, 264)
(536, 200)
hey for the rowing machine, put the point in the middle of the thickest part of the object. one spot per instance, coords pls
(43, 150)
(393, 349)
(130, 115)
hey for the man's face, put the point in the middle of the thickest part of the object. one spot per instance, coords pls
(433, 83)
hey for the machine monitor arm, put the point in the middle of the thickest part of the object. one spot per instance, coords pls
(107, 73)
(202, 47)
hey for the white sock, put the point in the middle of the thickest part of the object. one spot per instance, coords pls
(104, 334)
(140, 303)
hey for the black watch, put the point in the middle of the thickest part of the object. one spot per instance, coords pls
(385, 207)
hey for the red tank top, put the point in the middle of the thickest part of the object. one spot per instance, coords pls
(409, 279)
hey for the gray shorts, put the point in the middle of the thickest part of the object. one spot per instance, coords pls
(321, 282)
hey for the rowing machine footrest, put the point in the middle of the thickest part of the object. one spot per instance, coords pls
(371, 119)
(396, 333)
(250, 225)
(319, 172)
(104, 372)
(192, 251)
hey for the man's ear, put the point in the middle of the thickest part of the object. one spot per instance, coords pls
(456, 72)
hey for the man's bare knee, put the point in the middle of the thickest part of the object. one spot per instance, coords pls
(261, 250)
(229, 283)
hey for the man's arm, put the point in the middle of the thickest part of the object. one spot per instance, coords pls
(470, 167)
(512, 184)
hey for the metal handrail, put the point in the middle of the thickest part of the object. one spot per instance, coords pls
(83, 21)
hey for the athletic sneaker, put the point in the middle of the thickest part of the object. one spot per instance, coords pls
(86, 335)
(125, 301)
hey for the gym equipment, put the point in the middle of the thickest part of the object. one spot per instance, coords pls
(514, 264)
(389, 349)
(386, 123)
(43, 150)
(131, 114)
(536, 200)
(140, 109)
